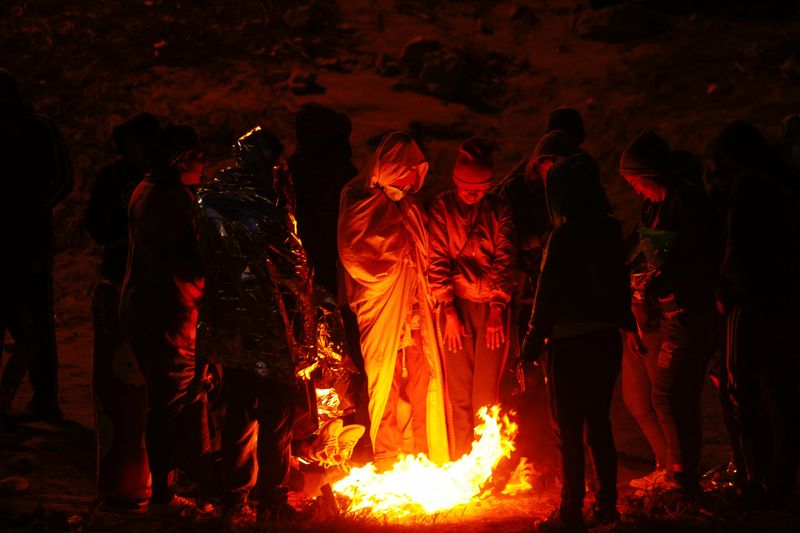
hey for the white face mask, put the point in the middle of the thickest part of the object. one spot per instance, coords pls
(396, 194)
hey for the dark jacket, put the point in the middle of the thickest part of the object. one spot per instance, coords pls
(584, 285)
(256, 313)
(164, 279)
(472, 249)
(687, 268)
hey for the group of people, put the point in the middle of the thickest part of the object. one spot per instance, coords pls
(227, 294)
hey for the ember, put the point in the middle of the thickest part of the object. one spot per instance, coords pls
(416, 486)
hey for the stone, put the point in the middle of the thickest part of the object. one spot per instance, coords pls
(414, 54)
(620, 24)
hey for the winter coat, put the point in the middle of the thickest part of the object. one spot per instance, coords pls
(472, 249)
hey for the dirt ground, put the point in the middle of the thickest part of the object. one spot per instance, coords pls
(499, 68)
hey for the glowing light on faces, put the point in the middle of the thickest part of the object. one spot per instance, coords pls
(416, 486)
(470, 196)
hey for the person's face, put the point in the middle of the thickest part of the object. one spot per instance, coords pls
(192, 170)
(646, 187)
(401, 186)
(470, 196)
(135, 151)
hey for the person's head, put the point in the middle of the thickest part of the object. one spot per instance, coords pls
(737, 149)
(400, 166)
(575, 192)
(686, 166)
(134, 139)
(645, 165)
(177, 149)
(567, 120)
(261, 154)
(472, 172)
(320, 128)
(554, 146)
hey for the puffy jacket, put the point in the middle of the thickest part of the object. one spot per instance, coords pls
(472, 249)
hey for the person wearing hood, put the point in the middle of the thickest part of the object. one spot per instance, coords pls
(582, 303)
(569, 121)
(158, 305)
(120, 397)
(757, 296)
(471, 275)
(256, 318)
(384, 247)
(674, 262)
(37, 176)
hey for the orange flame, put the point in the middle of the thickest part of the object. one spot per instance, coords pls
(415, 485)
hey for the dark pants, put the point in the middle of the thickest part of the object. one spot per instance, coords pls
(43, 373)
(256, 437)
(472, 373)
(762, 364)
(412, 368)
(662, 390)
(17, 319)
(120, 403)
(176, 434)
(581, 372)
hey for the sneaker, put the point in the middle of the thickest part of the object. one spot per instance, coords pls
(651, 481)
(559, 521)
(327, 442)
(598, 516)
(348, 439)
(178, 505)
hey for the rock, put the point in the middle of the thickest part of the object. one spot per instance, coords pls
(13, 485)
(415, 52)
(21, 465)
(524, 15)
(791, 67)
(303, 84)
(388, 66)
(438, 130)
(762, 55)
(619, 24)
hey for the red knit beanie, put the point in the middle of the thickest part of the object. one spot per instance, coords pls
(473, 168)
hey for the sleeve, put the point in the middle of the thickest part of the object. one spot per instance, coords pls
(55, 164)
(547, 297)
(440, 270)
(502, 273)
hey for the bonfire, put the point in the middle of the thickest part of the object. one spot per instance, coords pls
(416, 486)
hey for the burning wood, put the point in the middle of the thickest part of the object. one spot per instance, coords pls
(416, 486)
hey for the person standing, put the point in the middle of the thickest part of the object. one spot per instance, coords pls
(118, 387)
(384, 248)
(471, 275)
(37, 177)
(158, 305)
(674, 272)
(582, 302)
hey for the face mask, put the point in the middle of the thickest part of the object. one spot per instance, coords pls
(396, 194)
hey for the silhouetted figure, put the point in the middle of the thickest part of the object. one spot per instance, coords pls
(118, 386)
(674, 265)
(256, 318)
(384, 246)
(158, 308)
(758, 297)
(569, 121)
(471, 275)
(686, 166)
(37, 176)
(582, 302)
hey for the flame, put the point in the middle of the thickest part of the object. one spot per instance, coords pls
(415, 485)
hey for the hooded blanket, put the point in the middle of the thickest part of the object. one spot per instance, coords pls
(383, 245)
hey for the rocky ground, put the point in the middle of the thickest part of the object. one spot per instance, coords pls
(444, 70)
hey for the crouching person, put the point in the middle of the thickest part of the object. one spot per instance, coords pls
(471, 275)
(383, 245)
(255, 319)
(582, 301)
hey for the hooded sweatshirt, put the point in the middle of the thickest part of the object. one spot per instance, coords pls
(384, 248)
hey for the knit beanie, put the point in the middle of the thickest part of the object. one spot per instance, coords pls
(473, 168)
(556, 144)
(144, 128)
(646, 155)
(569, 121)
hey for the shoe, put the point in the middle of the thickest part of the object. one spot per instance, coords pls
(560, 521)
(327, 442)
(178, 505)
(651, 481)
(348, 439)
(124, 506)
(597, 516)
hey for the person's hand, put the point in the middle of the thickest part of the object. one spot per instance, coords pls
(721, 307)
(453, 329)
(495, 336)
(635, 344)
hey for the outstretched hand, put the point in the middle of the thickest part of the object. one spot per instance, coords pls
(495, 335)
(453, 330)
